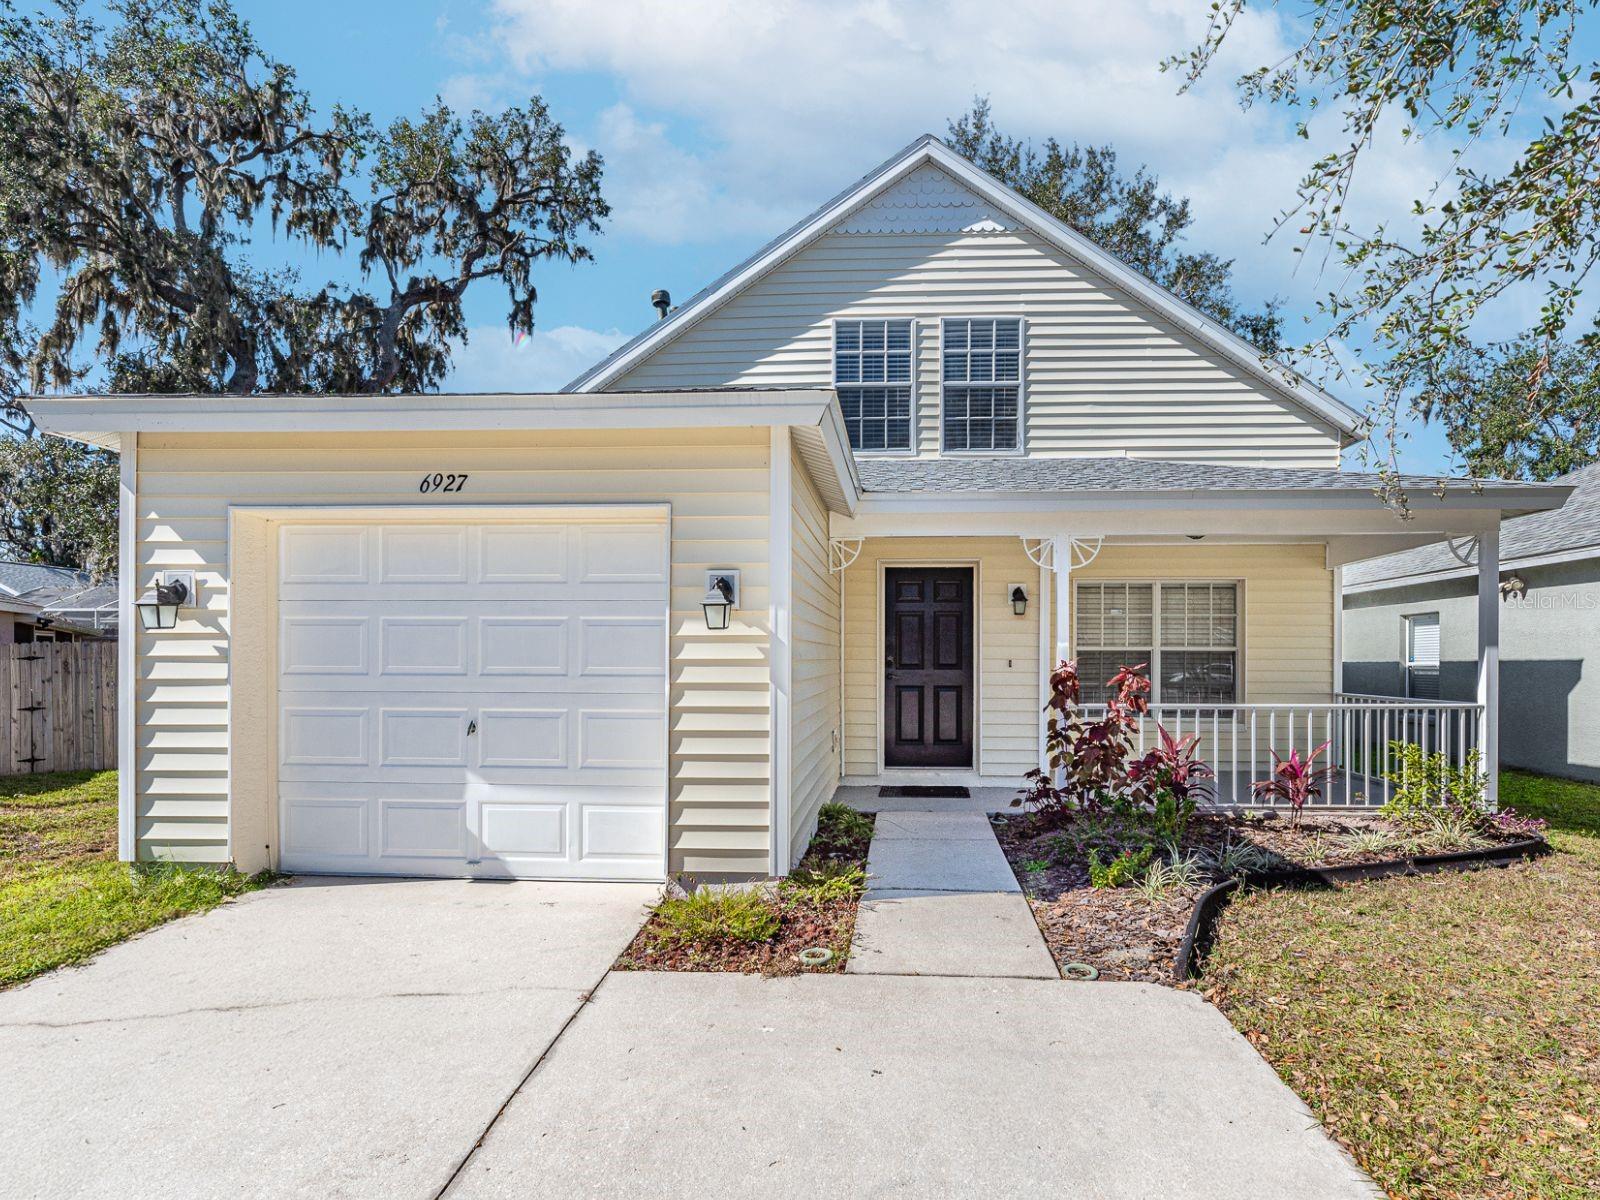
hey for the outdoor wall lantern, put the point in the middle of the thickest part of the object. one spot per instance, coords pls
(1019, 600)
(722, 597)
(158, 607)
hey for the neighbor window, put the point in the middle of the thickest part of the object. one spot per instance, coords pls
(982, 398)
(1422, 656)
(1186, 633)
(872, 375)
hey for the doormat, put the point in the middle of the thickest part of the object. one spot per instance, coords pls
(918, 792)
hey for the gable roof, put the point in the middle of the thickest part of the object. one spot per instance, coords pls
(1570, 532)
(928, 149)
(19, 579)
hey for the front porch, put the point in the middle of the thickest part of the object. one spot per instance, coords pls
(1238, 620)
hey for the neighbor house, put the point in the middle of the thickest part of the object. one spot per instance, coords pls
(1411, 619)
(829, 523)
(44, 603)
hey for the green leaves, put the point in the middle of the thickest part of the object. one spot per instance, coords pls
(138, 159)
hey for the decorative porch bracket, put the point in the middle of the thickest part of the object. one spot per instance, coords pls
(1045, 553)
(842, 552)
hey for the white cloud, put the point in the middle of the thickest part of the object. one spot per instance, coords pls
(787, 102)
(493, 361)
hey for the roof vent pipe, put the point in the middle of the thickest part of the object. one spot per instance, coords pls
(662, 301)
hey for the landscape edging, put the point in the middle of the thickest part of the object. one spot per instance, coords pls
(1202, 927)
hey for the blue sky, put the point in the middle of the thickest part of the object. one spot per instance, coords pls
(722, 121)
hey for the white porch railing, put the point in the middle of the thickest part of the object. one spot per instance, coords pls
(1237, 741)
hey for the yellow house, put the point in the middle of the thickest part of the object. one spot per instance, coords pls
(827, 525)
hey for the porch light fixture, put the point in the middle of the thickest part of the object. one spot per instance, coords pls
(721, 598)
(158, 607)
(1019, 600)
(1513, 587)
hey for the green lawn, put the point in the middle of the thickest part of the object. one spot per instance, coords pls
(63, 895)
(1445, 1028)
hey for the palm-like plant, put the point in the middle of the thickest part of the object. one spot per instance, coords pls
(1294, 781)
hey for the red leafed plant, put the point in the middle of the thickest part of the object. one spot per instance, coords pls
(1294, 779)
(1092, 758)
(1174, 766)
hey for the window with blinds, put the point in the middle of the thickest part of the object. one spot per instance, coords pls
(1422, 656)
(1187, 633)
(981, 403)
(872, 375)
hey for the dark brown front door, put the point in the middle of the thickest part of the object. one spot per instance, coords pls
(927, 640)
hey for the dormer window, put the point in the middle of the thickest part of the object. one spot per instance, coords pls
(982, 405)
(872, 374)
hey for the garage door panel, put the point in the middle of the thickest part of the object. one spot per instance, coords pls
(431, 554)
(325, 736)
(525, 554)
(324, 644)
(524, 645)
(323, 555)
(474, 698)
(422, 828)
(524, 737)
(422, 737)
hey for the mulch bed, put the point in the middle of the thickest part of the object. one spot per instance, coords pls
(803, 923)
(1121, 932)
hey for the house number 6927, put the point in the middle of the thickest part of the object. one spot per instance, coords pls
(439, 482)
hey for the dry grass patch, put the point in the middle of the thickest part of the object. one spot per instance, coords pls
(1446, 1028)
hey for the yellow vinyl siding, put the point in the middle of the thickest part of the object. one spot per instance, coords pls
(1104, 375)
(1287, 603)
(814, 664)
(715, 480)
(1286, 646)
(1007, 646)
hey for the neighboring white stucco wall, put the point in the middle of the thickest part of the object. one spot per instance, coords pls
(1549, 696)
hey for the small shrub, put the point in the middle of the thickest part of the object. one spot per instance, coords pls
(825, 883)
(1294, 780)
(1123, 869)
(1370, 841)
(1158, 880)
(1513, 824)
(1185, 870)
(1237, 858)
(1445, 830)
(842, 832)
(1422, 785)
(716, 914)
(1035, 865)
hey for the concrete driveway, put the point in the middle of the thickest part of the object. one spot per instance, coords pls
(852, 1085)
(330, 1038)
(395, 1039)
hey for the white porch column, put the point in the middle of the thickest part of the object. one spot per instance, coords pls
(1489, 658)
(1061, 563)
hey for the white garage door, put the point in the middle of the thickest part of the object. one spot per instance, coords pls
(474, 699)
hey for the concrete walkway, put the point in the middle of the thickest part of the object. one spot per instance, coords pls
(942, 900)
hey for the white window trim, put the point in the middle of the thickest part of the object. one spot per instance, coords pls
(1022, 385)
(833, 367)
(1410, 664)
(1153, 669)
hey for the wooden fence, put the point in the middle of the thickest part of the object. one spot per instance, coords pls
(58, 707)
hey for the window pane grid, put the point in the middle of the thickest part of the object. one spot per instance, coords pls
(982, 365)
(872, 374)
(1192, 627)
